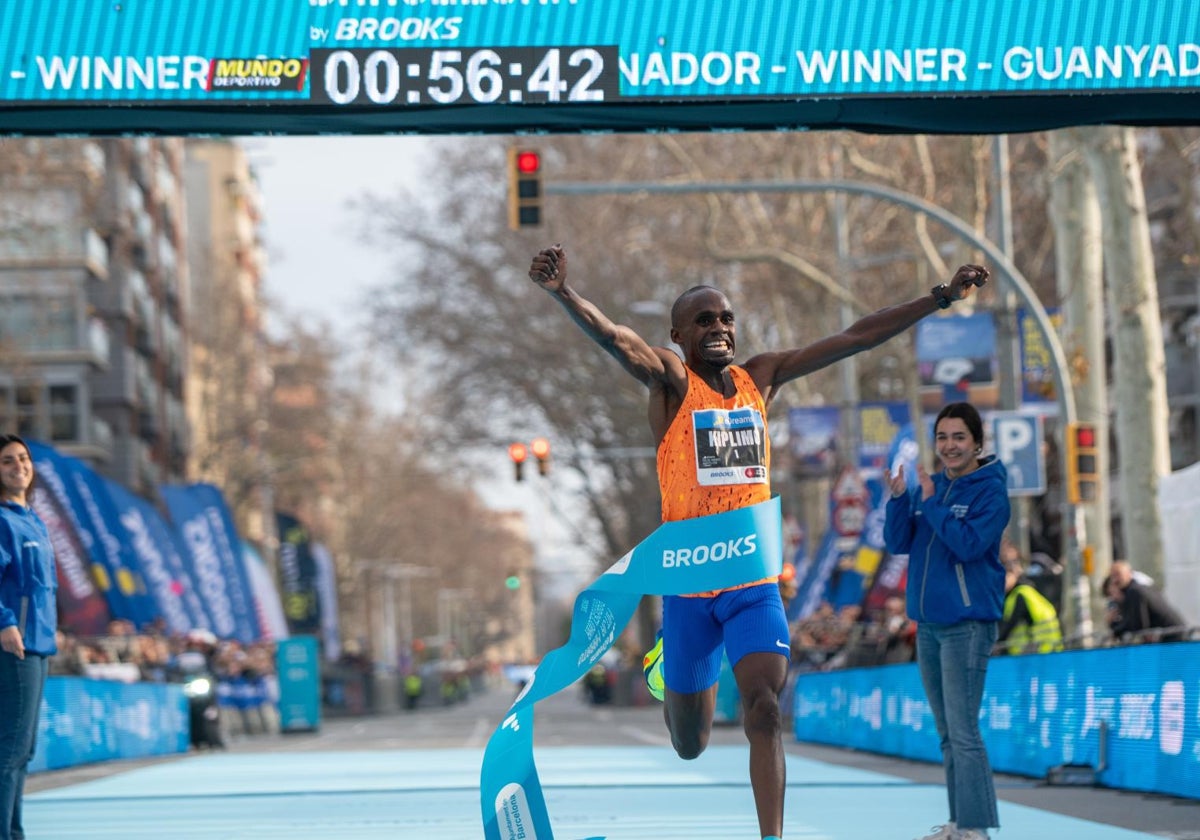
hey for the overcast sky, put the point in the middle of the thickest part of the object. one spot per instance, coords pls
(317, 267)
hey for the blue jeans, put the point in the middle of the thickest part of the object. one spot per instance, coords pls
(21, 683)
(953, 660)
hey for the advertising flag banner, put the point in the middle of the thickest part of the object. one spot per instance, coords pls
(813, 439)
(889, 581)
(956, 361)
(298, 577)
(82, 607)
(267, 605)
(331, 639)
(878, 425)
(1037, 367)
(84, 498)
(162, 566)
(811, 590)
(904, 453)
(856, 564)
(206, 533)
(857, 578)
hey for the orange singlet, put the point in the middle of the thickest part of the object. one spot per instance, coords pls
(716, 455)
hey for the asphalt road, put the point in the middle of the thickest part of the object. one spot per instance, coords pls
(566, 720)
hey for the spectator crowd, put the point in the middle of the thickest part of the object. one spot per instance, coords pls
(247, 687)
(851, 637)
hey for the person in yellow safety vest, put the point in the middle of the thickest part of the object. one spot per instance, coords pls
(412, 690)
(1029, 623)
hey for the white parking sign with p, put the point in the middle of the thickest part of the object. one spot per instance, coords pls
(1017, 439)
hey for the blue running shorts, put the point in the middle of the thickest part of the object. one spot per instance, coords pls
(747, 620)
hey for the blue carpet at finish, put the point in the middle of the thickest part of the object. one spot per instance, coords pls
(622, 793)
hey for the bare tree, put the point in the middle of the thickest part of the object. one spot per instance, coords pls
(1138, 363)
(1077, 228)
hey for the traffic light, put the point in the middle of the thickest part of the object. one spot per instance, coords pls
(524, 189)
(513, 582)
(518, 453)
(541, 451)
(1083, 463)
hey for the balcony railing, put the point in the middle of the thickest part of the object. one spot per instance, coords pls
(55, 247)
(58, 339)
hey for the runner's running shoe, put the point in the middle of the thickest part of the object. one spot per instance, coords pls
(652, 668)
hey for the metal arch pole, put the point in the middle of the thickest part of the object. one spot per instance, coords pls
(1081, 619)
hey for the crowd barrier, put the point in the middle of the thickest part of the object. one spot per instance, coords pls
(1126, 717)
(85, 720)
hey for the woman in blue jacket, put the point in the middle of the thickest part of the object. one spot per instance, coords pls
(950, 527)
(28, 622)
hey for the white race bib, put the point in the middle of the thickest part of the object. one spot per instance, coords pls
(731, 446)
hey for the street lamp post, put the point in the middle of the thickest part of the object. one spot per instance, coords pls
(386, 635)
(447, 601)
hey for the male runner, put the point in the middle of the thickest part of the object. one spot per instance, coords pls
(689, 399)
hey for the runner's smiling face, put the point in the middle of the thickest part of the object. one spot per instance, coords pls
(703, 327)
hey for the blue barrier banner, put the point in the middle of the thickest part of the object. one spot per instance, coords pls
(299, 670)
(167, 578)
(210, 541)
(1039, 711)
(692, 555)
(84, 720)
(83, 495)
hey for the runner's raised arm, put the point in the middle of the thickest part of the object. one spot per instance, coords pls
(647, 364)
(775, 368)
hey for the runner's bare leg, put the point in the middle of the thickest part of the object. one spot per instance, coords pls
(689, 719)
(760, 679)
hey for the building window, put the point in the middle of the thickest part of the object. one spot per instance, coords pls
(39, 323)
(64, 413)
(27, 410)
(42, 412)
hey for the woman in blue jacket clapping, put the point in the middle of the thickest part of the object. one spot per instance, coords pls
(28, 621)
(950, 527)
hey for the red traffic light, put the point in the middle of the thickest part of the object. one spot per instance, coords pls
(1085, 435)
(1083, 463)
(528, 162)
(540, 447)
(518, 452)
